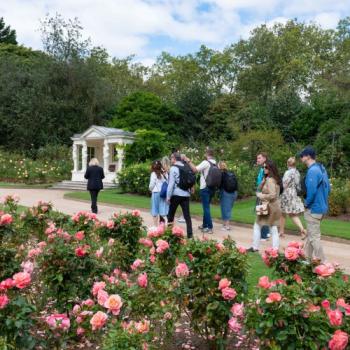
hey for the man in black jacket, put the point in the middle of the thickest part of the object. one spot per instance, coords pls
(94, 174)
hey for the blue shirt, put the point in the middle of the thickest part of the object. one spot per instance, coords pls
(317, 189)
(260, 177)
(174, 179)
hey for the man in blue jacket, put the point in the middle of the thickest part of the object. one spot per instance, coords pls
(316, 202)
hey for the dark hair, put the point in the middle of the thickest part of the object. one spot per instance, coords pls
(177, 156)
(264, 154)
(157, 168)
(209, 152)
(273, 171)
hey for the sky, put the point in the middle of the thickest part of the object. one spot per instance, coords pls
(145, 28)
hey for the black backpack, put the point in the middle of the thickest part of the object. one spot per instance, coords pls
(214, 177)
(229, 182)
(187, 177)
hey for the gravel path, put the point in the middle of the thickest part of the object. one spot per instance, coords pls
(335, 251)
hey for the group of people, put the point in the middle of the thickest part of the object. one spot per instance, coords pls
(172, 181)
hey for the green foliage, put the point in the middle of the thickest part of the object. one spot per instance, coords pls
(339, 199)
(7, 35)
(9, 260)
(135, 178)
(148, 145)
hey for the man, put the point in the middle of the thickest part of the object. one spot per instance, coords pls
(316, 202)
(178, 196)
(261, 159)
(206, 192)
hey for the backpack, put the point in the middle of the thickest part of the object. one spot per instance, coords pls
(214, 177)
(187, 177)
(229, 182)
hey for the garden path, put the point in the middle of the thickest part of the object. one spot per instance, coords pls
(335, 251)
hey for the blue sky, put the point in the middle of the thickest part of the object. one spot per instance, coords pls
(148, 27)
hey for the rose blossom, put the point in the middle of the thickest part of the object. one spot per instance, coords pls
(237, 309)
(7, 284)
(6, 219)
(142, 326)
(162, 246)
(224, 283)
(273, 297)
(98, 320)
(142, 280)
(339, 340)
(76, 309)
(4, 300)
(326, 304)
(89, 302)
(34, 252)
(58, 321)
(182, 270)
(295, 244)
(80, 235)
(152, 259)
(219, 246)
(324, 270)
(264, 282)
(136, 264)
(272, 252)
(335, 317)
(81, 251)
(80, 331)
(234, 325)
(136, 213)
(297, 278)
(228, 293)
(242, 250)
(114, 304)
(178, 231)
(146, 242)
(21, 279)
(42, 245)
(97, 287)
(291, 253)
(110, 224)
(341, 303)
(102, 297)
(99, 253)
(313, 308)
(110, 242)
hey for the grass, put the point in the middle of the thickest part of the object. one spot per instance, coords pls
(242, 211)
(22, 185)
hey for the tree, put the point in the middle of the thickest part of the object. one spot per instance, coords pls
(7, 35)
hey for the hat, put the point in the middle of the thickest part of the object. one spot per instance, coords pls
(308, 151)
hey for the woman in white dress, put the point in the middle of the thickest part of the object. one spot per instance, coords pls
(291, 203)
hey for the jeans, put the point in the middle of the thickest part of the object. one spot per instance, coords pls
(313, 247)
(206, 195)
(93, 195)
(226, 204)
(257, 234)
(184, 203)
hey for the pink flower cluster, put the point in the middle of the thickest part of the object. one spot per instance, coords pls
(142, 280)
(58, 322)
(335, 316)
(269, 255)
(178, 231)
(227, 292)
(182, 270)
(6, 219)
(339, 340)
(85, 215)
(325, 270)
(136, 264)
(155, 232)
(10, 198)
(162, 246)
(133, 327)
(235, 322)
(81, 251)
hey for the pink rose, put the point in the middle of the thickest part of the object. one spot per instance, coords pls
(182, 270)
(142, 326)
(291, 253)
(98, 320)
(136, 213)
(6, 219)
(80, 235)
(297, 278)
(242, 250)
(80, 331)
(136, 264)
(313, 308)
(76, 309)
(152, 259)
(81, 251)
(326, 304)
(178, 231)
(237, 310)
(99, 253)
(27, 266)
(21, 279)
(89, 302)
(34, 252)
(110, 242)
(7, 284)
(295, 244)
(339, 340)
(142, 280)
(234, 325)
(114, 304)
(42, 245)
(344, 305)
(264, 282)
(4, 300)
(219, 246)
(102, 297)
(97, 287)
(224, 283)
(228, 293)
(274, 297)
(58, 321)
(272, 252)
(146, 242)
(324, 270)
(110, 224)
(335, 317)
(162, 246)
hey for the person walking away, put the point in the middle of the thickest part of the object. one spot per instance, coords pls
(228, 195)
(159, 206)
(316, 202)
(94, 174)
(269, 212)
(261, 159)
(210, 180)
(291, 203)
(181, 180)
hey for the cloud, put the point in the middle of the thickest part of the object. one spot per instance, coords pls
(127, 27)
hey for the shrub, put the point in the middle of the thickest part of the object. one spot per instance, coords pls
(339, 199)
(135, 179)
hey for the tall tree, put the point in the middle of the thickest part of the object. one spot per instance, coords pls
(7, 35)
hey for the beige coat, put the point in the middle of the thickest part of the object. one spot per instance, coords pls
(269, 194)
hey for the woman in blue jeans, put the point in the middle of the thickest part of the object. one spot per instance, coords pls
(228, 195)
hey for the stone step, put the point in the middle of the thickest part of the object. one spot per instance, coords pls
(77, 185)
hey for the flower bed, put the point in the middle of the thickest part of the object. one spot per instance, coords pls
(80, 282)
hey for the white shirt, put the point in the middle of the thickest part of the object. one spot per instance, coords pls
(203, 168)
(155, 184)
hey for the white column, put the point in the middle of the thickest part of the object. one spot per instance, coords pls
(75, 157)
(84, 157)
(105, 156)
(120, 159)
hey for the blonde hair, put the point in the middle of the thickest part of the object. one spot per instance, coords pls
(165, 163)
(94, 161)
(222, 165)
(291, 162)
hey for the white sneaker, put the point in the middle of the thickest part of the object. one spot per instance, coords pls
(181, 220)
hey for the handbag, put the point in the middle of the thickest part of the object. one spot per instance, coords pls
(262, 209)
(164, 189)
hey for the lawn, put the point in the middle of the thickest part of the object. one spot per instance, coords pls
(22, 185)
(242, 211)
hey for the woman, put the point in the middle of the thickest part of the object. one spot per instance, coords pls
(228, 195)
(269, 197)
(159, 206)
(94, 174)
(291, 204)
